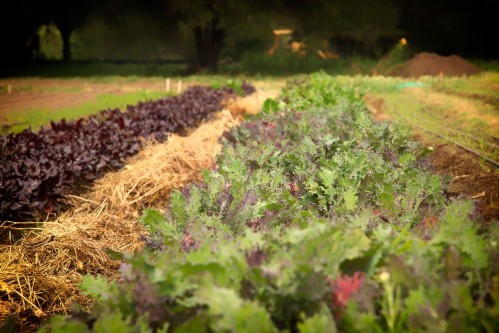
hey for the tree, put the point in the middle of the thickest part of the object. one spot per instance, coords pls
(367, 23)
(361, 25)
(214, 23)
(208, 21)
(19, 21)
(69, 16)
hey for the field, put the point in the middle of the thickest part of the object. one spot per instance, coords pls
(347, 203)
(35, 101)
(463, 111)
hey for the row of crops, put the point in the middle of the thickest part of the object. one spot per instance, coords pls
(37, 170)
(315, 219)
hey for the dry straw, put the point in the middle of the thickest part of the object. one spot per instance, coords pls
(39, 275)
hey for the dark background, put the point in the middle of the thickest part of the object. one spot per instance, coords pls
(203, 32)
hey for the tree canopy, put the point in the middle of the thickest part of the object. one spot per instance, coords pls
(216, 27)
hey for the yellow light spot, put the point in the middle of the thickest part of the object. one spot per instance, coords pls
(384, 277)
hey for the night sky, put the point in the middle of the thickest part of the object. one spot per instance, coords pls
(468, 28)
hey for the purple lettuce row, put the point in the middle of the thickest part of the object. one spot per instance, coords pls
(37, 170)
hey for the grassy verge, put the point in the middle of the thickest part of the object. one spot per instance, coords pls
(482, 85)
(473, 133)
(462, 109)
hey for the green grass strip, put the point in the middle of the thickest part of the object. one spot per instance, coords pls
(38, 117)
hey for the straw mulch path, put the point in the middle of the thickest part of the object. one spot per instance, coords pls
(39, 276)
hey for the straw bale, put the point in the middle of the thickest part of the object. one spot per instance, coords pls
(149, 176)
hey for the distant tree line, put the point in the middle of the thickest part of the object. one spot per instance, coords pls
(350, 27)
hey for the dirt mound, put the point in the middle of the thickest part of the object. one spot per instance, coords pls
(433, 64)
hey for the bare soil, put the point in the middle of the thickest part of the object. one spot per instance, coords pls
(470, 178)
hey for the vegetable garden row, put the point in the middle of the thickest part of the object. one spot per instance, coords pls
(37, 170)
(316, 219)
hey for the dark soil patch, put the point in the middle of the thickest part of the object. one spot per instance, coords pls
(470, 177)
(433, 64)
(376, 106)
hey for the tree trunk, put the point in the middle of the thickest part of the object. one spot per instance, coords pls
(209, 43)
(66, 43)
